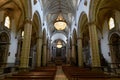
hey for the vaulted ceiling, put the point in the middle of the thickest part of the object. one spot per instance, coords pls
(52, 8)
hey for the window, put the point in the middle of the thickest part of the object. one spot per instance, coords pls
(22, 34)
(7, 22)
(111, 23)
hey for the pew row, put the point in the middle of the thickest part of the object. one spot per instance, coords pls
(77, 73)
(41, 73)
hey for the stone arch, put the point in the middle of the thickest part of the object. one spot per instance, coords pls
(83, 22)
(111, 34)
(83, 33)
(58, 36)
(92, 9)
(38, 22)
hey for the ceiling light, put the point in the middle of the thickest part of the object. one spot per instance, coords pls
(60, 23)
(59, 44)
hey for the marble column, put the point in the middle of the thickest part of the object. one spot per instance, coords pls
(80, 54)
(94, 45)
(39, 52)
(24, 59)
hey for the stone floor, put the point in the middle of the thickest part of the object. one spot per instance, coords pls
(60, 74)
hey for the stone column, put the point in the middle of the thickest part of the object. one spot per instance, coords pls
(80, 54)
(73, 55)
(39, 52)
(24, 59)
(51, 52)
(44, 59)
(68, 55)
(48, 54)
(94, 45)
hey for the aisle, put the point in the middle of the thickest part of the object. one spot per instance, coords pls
(60, 74)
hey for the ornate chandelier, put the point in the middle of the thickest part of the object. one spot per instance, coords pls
(59, 44)
(60, 23)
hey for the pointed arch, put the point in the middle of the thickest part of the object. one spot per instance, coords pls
(83, 23)
(37, 23)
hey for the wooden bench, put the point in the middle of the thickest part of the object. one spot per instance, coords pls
(35, 74)
(45, 69)
(76, 73)
(44, 73)
(30, 77)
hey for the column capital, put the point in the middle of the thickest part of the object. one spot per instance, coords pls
(28, 20)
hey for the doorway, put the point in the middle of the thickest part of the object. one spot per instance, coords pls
(115, 48)
(4, 45)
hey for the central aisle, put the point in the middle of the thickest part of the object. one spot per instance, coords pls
(60, 74)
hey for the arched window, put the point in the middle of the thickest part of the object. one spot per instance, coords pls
(22, 34)
(111, 23)
(7, 22)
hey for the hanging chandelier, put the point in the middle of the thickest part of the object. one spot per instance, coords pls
(59, 44)
(60, 23)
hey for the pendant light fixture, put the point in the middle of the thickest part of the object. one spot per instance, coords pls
(60, 23)
(59, 44)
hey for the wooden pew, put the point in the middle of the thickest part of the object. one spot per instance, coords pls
(35, 74)
(48, 69)
(42, 73)
(30, 78)
(76, 73)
